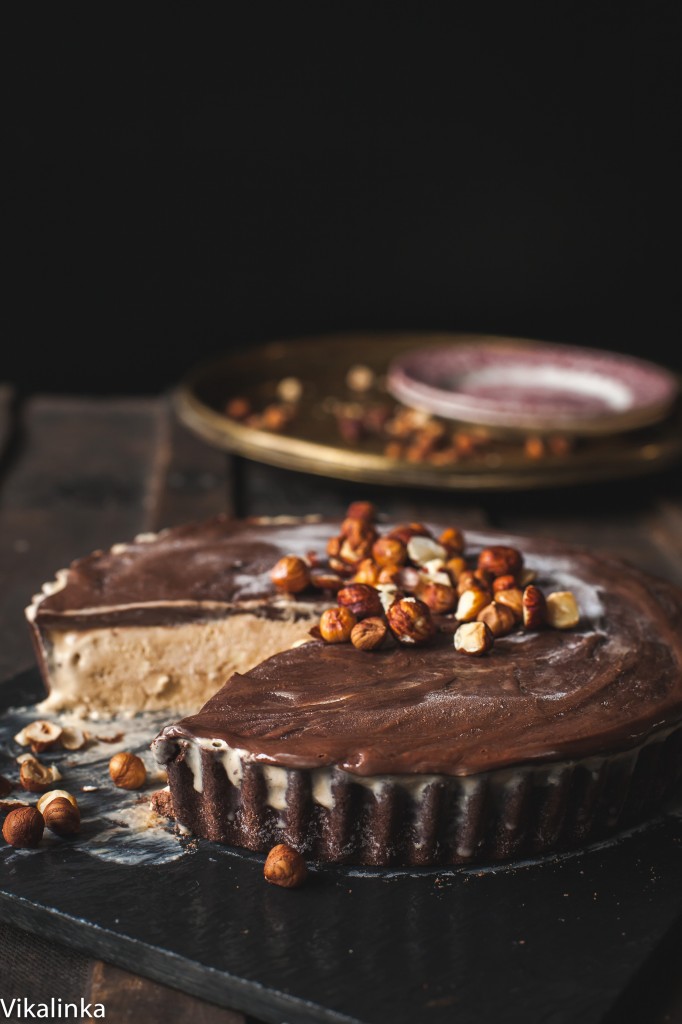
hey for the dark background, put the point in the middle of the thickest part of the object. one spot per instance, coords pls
(179, 185)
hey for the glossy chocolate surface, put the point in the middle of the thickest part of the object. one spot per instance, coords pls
(601, 687)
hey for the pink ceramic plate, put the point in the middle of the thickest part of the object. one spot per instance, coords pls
(533, 386)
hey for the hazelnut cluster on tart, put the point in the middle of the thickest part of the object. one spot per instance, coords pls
(373, 741)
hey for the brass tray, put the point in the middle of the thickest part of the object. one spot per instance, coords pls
(312, 443)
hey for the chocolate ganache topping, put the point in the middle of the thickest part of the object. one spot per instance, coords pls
(602, 687)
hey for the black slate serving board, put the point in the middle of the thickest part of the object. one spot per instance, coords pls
(554, 941)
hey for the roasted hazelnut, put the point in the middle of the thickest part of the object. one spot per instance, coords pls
(408, 530)
(55, 794)
(369, 634)
(238, 408)
(290, 574)
(452, 540)
(364, 510)
(504, 583)
(425, 549)
(361, 599)
(40, 735)
(358, 538)
(326, 581)
(367, 572)
(562, 610)
(469, 580)
(127, 770)
(37, 777)
(336, 625)
(470, 603)
(534, 608)
(390, 574)
(454, 567)
(473, 638)
(334, 546)
(499, 619)
(500, 561)
(62, 817)
(285, 866)
(389, 551)
(440, 598)
(512, 598)
(410, 622)
(23, 827)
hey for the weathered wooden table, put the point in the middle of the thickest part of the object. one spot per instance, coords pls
(78, 474)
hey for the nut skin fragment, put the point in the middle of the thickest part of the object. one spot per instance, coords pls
(369, 634)
(285, 867)
(290, 574)
(62, 817)
(470, 604)
(336, 625)
(361, 599)
(410, 622)
(127, 770)
(534, 608)
(389, 551)
(499, 619)
(55, 794)
(500, 560)
(474, 639)
(37, 777)
(42, 736)
(23, 827)
(513, 599)
(562, 610)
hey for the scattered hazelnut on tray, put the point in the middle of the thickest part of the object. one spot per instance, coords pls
(286, 867)
(473, 638)
(127, 770)
(389, 551)
(290, 574)
(37, 777)
(62, 816)
(562, 610)
(410, 622)
(504, 583)
(440, 597)
(23, 827)
(364, 510)
(40, 735)
(367, 572)
(336, 625)
(369, 634)
(452, 540)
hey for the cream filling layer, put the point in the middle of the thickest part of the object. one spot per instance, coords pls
(148, 668)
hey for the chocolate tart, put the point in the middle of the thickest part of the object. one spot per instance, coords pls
(162, 621)
(420, 755)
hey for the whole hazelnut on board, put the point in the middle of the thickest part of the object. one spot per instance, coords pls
(23, 827)
(369, 634)
(452, 540)
(62, 817)
(440, 597)
(336, 625)
(290, 574)
(127, 770)
(389, 551)
(409, 619)
(361, 599)
(473, 638)
(285, 866)
(500, 560)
